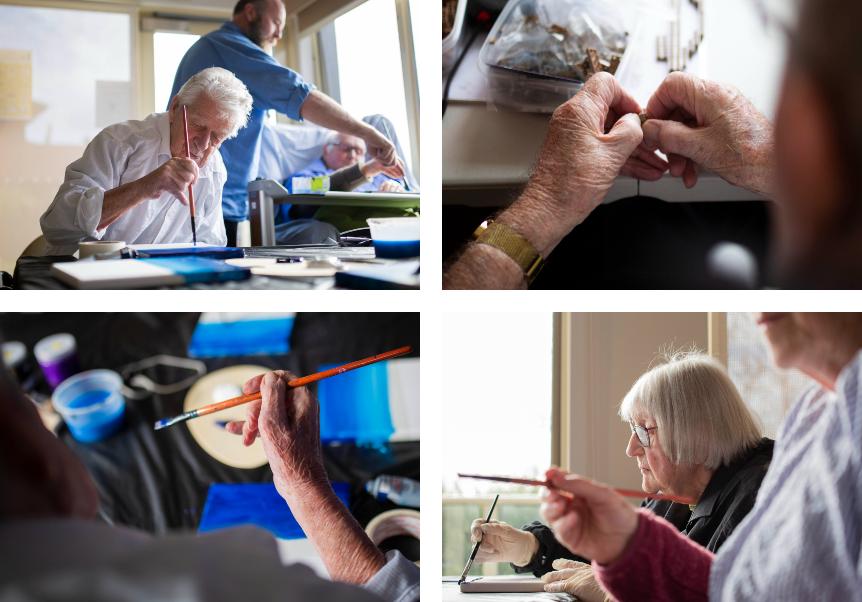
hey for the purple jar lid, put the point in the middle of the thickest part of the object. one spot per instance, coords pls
(58, 357)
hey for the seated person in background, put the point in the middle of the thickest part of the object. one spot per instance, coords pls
(343, 161)
(132, 182)
(693, 436)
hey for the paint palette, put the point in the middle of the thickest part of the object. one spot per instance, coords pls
(210, 435)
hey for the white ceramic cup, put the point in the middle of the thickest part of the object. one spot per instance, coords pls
(94, 247)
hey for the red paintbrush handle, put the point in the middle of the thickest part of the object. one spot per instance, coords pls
(188, 156)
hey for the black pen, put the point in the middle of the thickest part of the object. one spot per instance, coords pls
(476, 546)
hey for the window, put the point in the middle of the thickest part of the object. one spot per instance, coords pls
(498, 371)
(414, 19)
(369, 66)
(168, 50)
(78, 87)
(768, 391)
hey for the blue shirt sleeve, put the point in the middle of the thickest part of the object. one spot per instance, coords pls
(270, 85)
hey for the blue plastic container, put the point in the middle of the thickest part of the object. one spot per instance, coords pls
(92, 404)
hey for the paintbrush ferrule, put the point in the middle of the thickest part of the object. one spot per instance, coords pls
(175, 420)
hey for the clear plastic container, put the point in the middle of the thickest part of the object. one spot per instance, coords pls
(92, 404)
(524, 90)
(453, 43)
(395, 237)
(399, 490)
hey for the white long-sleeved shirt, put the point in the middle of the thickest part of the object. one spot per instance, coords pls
(123, 153)
(69, 560)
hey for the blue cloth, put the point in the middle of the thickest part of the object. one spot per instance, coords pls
(259, 504)
(271, 87)
(802, 539)
(319, 168)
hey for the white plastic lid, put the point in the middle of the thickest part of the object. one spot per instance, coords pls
(54, 347)
(14, 352)
(394, 228)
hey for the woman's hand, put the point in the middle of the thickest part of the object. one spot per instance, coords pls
(575, 578)
(502, 542)
(594, 522)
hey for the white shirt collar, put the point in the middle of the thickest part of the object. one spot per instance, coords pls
(163, 126)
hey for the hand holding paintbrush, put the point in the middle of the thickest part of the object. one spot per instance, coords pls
(293, 383)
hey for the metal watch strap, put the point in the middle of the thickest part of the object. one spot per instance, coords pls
(512, 244)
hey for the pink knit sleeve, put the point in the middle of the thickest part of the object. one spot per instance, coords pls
(660, 565)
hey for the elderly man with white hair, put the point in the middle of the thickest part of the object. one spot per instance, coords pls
(132, 182)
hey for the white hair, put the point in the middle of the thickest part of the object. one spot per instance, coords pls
(700, 415)
(333, 138)
(223, 88)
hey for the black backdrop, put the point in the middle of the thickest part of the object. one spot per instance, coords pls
(157, 481)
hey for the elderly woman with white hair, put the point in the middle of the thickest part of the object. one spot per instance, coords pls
(132, 183)
(692, 436)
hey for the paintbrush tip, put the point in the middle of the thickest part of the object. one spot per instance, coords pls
(161, 424)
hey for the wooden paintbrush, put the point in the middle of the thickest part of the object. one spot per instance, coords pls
(625, 492)
(299, 382)
(191, 193)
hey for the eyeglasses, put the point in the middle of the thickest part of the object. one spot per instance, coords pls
(347, 148)
(642, 433)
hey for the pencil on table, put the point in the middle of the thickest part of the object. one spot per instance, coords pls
(191, 193)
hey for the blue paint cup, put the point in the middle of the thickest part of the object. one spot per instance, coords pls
(395, 237)
(92, 404)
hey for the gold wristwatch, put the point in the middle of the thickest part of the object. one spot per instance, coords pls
(512, 244)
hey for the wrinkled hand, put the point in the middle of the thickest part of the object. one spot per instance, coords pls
(700, 122)
(575, 578)
(288, 423)
(175, 177)
(502, 542)
(390, 186)
(380, 148)
(595, 522)
(589, 141)
(373, 167)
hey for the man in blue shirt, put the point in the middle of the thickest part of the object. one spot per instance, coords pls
(342, 160)
(242, 46)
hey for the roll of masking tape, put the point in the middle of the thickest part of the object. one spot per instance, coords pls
(396, 530)
(94, 247)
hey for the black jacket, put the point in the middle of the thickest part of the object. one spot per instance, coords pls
(727, 499)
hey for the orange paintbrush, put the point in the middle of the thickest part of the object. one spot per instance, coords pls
(299, 382)
(625, 492)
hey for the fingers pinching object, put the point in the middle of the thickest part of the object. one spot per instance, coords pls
(643, 117)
